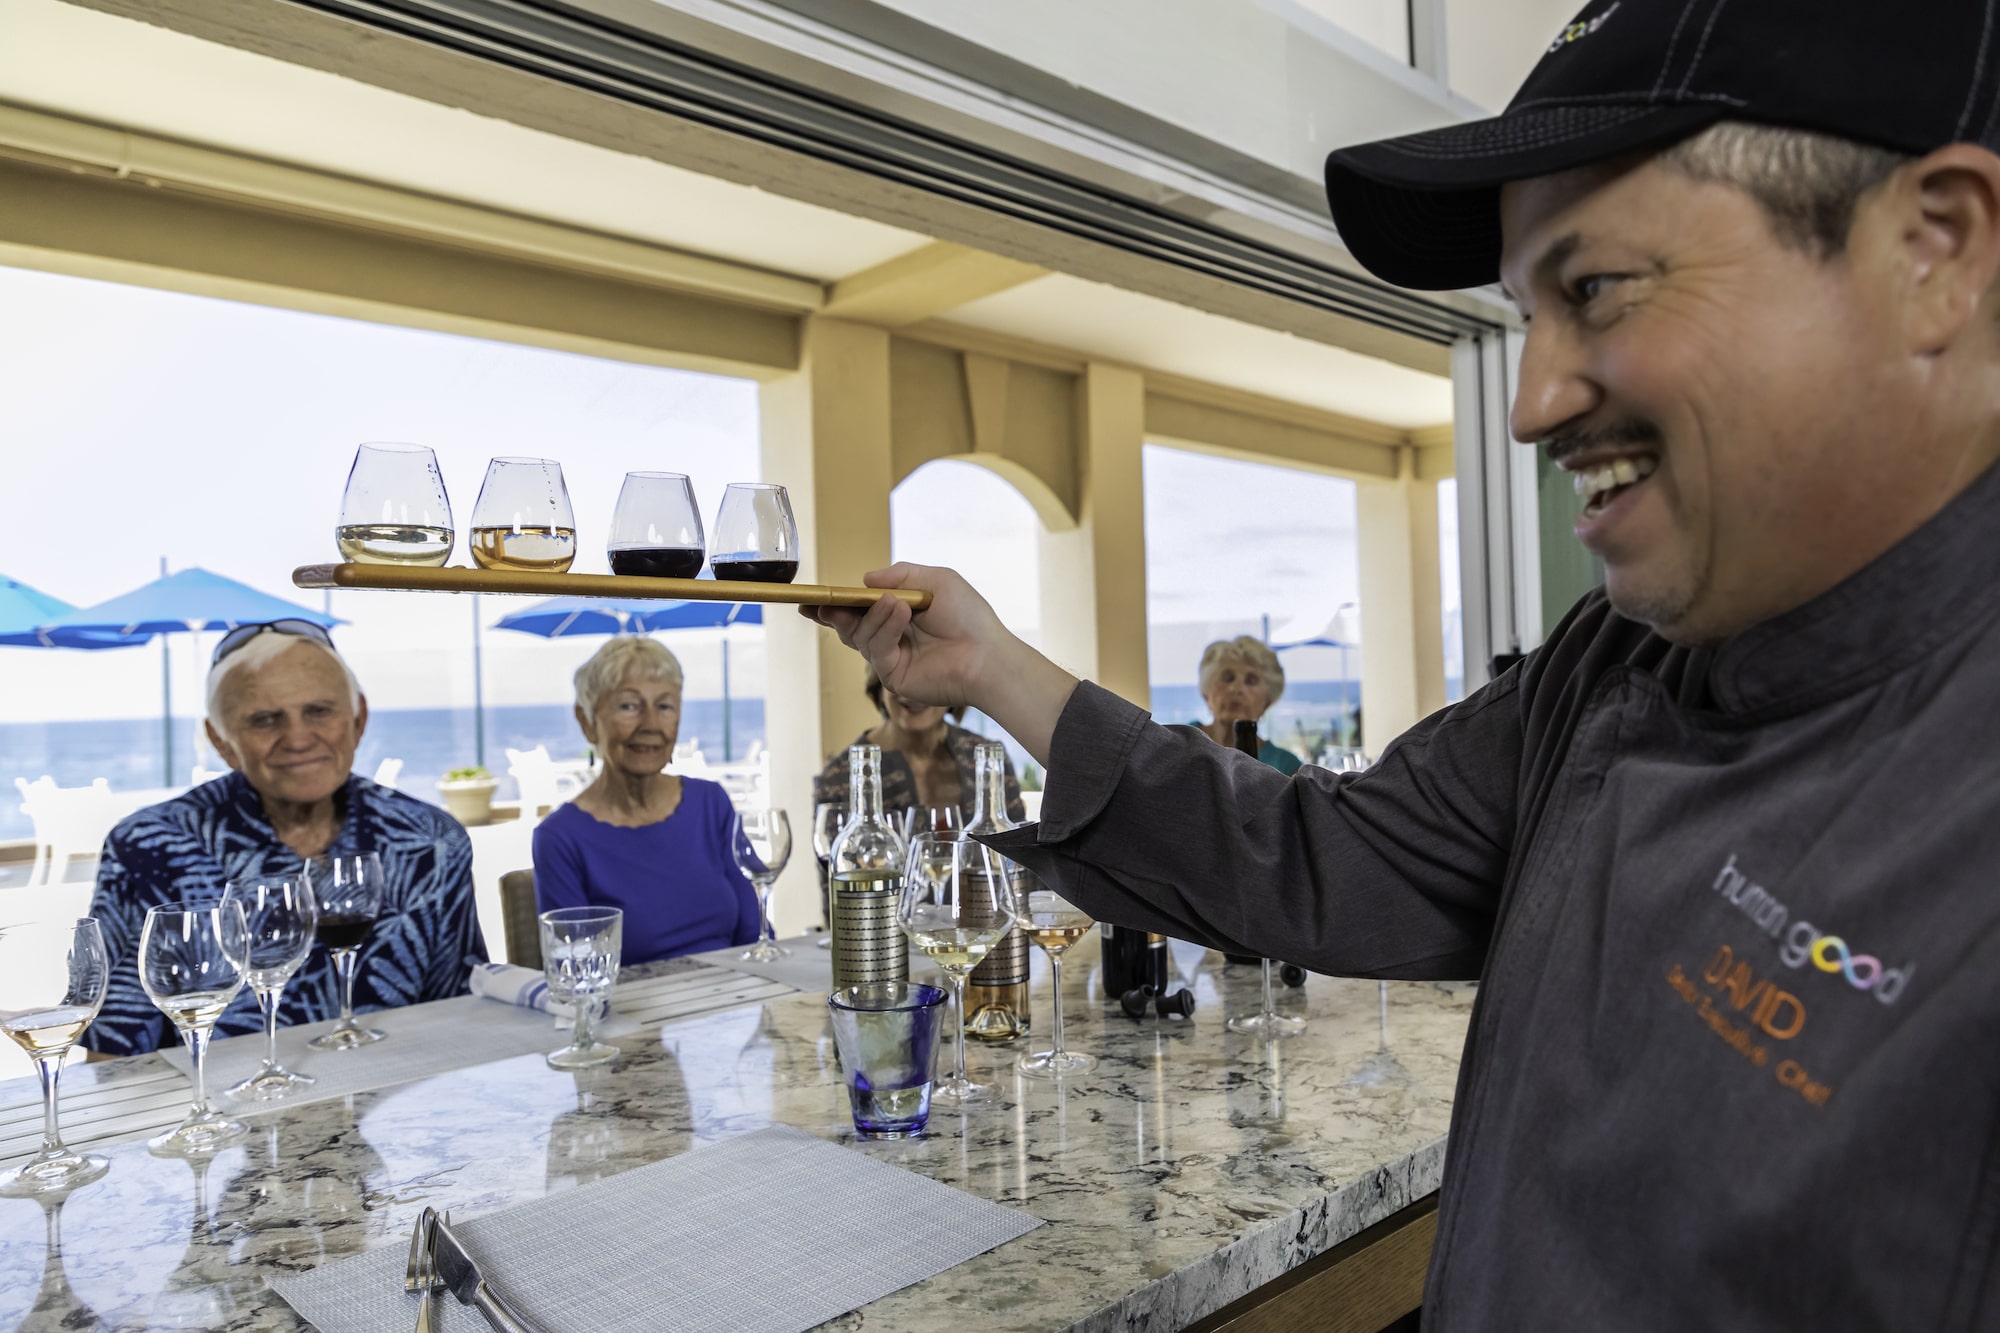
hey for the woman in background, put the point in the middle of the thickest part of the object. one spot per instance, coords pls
(1240, 679)
(639, 838)
(927, 760)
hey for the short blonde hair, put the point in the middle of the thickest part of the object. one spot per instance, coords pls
(1243, 648)
(608, 665)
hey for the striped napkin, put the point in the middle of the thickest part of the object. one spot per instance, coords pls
(518, 985)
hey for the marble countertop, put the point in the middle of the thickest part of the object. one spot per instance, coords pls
(1192, 1166)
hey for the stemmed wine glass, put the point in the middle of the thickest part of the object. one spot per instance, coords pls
(522, 520)
(45, 1011)
(930, 819)
(394, 511)
(755, 536)
(349, 890)
(829, 817)
(958, 900)
(1054, 923)
(656, 530)
(581, 947)
(1268, 1022)
(762, 845)
(280, 917)
(188, 965)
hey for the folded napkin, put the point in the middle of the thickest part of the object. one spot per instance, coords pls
(519, 985)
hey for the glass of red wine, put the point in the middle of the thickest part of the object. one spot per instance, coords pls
(656, 530)
(350, 891)
(756, 538)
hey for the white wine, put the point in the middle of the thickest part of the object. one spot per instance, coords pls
(48, 1031)
(956, 949)
(196, 1008)
(393, 544)
(1056, 931)
(524, 550)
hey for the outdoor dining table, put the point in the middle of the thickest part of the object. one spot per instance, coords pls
(1195, 1171)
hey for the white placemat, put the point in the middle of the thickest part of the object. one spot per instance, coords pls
(771, 1232)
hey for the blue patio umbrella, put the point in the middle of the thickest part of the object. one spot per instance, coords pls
(561, 617)
(22, 608)
(184, 603)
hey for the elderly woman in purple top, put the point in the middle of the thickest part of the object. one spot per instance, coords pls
(640, 838)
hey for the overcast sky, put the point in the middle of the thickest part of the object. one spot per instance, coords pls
(141, 424)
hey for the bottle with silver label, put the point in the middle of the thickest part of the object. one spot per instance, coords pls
(867, 879)
(996, 994)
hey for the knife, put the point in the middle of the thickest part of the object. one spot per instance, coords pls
(462, 1275)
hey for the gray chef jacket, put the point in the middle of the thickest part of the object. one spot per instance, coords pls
(1735, 1063)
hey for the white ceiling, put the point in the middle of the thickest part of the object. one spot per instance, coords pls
(98, 67)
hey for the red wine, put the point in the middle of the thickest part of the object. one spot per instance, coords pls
(756, 571)
(337, 931)
(657, 562)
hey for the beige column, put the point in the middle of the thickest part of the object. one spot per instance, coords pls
(1093, 577)
(826, 438)
(1402, 634)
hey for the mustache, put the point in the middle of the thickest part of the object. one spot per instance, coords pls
(1630, 430)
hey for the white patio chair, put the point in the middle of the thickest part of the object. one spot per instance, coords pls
(388, 771)
(69, 821)
(689, 762)
(544, 785)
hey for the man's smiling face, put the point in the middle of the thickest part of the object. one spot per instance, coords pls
(1730, 404)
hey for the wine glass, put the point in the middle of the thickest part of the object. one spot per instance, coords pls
(1052, 922)
(656, 530)
(349, 890)
(522, 520)
(756, 537)
(958, 901)
(188, 966)
(829, 817)
(280, 917)
(762, 844)
(45, 1008)
(394, 510)
(1268, 1022)
(581, 947)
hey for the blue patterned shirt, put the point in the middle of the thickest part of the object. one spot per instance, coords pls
(189, 848)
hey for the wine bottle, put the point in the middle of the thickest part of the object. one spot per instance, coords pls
(867, 861)
(996, 994)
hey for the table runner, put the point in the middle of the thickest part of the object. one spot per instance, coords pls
(770, 1232)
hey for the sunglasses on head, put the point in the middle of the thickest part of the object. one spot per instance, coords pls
(242, 634)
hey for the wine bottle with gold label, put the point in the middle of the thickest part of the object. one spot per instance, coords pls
(996, 994)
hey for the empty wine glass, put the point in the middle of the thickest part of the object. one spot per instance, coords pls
(394, 510)
(188, 966)
(1054, 923)
(280, 918)
(1268, 1022)
(52, 980)
(656, 530)
(755, 536)
(349, 891)
(762, 845)
(581, 947)
(522, 520)
(829, 817)
(958, 900)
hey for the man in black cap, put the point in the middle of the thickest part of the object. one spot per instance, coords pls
(1722, 850)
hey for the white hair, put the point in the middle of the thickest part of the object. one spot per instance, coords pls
(608, 665)
(257, 653)
(1251, 652)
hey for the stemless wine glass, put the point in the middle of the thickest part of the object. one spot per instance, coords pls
(762, 845)
(958, 900)
(656, 530)
(755, 535)
(522, 520)
(349, 890)
(45, 1005)
(394, 510)
(188, 966)
(1052, 922)
(1268, 1022)
(580, 951)
(281, 919)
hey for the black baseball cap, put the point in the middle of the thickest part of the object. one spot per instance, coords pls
(1630, 76)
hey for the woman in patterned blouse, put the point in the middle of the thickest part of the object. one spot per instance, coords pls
(927, 760)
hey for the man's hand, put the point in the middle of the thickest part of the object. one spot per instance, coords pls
(955, 652)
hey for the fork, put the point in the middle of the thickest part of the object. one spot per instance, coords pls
(427, 1277)
(420, 1246)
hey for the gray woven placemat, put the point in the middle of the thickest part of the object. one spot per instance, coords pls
(770, 1232)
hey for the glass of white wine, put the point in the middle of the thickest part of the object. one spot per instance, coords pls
(958, 901)
(282, 916)
(188, 965)
(394, 511)
(1054, 923)
(522, 521)
(52, 980)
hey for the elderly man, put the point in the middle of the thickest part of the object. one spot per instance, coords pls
(286, 714)
(1722, 849)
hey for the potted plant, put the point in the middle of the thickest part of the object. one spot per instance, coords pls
(468, 794)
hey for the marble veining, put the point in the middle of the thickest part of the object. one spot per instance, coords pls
(1191, 1167)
